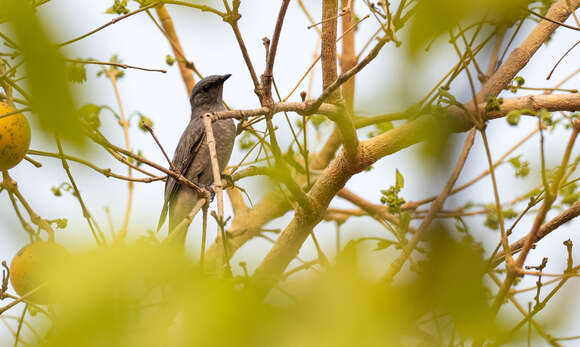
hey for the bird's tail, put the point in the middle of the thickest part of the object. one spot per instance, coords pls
(163, 216)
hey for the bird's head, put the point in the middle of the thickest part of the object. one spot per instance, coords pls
(208, 91)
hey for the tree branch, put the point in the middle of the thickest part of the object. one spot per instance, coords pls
(169, 28)
(564, 217)
(348, 56)
(520, 56)
(267, 77)
(328, 47)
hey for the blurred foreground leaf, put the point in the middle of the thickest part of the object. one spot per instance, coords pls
(50, 96)
(436, 17)
(453, 280)
(150, 295)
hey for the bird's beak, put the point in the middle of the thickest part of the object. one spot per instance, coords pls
(225, 77)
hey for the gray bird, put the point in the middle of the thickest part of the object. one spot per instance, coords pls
(192, 157)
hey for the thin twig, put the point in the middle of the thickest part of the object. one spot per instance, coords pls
(317, 59)
(112, 75)
(101, 140)
(113, 21)
(11, 186)
(480, 176)
(267, 77)
(20, 299)
(123, 66)
(551, 20)
(95, 229)
(105, 172)
(560, 60)
(160, 147)
(309, 16)
(203, 238)
(19, 328)
(498, 208)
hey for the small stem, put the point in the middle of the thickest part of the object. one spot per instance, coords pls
(112, 75)
(95, 230)
(217, 183)
(499, 211)
(203, 238)
(19, 328)
(171, 35)
(11, 186)
(113, 21)
(160, 147)
(122, 66)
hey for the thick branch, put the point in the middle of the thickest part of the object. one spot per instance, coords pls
(248, 226)
(520, 56)
(325, 188)
(328, 46)
(167, 23)
(348, 56)
(552, 103)
(340, 171)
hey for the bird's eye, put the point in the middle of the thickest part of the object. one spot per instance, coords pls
(205, 88)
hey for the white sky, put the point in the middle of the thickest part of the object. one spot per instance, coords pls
(210, 44)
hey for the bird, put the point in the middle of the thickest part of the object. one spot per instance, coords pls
(192, 158)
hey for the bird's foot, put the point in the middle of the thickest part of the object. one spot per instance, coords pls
(209, 188)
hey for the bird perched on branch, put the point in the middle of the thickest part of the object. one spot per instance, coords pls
(192, 158)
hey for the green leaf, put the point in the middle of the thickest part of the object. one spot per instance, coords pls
(143, 3)
(317, 120)
(119, 7)
(56, 191)
(400, 180)
(89, 115)
(515, 161)
(143, 120)
(491, 220)
(77, 72)
(169, 60)
(404, 220)
(50, 96)
(510, 213)
(384, 244)
(513, 117)
(381, 128)
(545, 116)
(493, 104)
(434, 18)
(246, 141)
(61, 223)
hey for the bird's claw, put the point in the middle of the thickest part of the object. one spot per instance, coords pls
(209, 188)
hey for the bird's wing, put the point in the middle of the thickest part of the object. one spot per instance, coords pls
(185, 153)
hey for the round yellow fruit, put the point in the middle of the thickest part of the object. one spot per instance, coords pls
(31, 269)
(14, 137)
